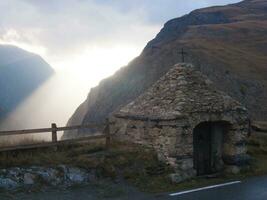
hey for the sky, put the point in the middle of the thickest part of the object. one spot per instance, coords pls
(84, 41)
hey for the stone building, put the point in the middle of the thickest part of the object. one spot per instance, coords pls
(192, 126)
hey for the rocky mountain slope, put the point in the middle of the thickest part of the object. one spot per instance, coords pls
(227, 43)
(21, 73)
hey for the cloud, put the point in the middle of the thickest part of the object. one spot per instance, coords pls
(65, 28)
(158, 11)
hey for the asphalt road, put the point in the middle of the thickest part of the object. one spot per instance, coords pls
(250, 189)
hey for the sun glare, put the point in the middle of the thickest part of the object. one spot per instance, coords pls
(94, 64)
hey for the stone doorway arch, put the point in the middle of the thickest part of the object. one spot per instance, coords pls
(208, 141)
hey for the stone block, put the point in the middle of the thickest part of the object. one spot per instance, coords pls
(239, 160)
(232, 169)
(181, 176)
(28, 179)
(7, 183)
(185, 164)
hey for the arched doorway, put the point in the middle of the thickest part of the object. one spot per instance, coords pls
(208, 142)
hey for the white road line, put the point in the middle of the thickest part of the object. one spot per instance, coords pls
(204, 188)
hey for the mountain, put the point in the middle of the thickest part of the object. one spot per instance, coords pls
(226, 43)
(21, 72)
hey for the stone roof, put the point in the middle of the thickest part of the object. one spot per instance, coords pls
(182, 91)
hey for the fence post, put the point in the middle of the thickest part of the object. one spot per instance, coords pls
(107, 133)
(54, 132)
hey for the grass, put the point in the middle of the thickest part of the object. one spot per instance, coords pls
(67, 154)
(7, 141)
(137, 165)
(257, 148)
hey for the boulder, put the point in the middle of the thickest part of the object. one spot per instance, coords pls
(180, 176)
(7, 183)
(232, 169)
(76, 175)
(28, 179)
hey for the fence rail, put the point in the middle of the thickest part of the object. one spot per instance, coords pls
(43, 130)
(54, 139)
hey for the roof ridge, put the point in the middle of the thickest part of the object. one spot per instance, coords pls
(182, 90)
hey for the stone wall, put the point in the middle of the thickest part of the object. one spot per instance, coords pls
(173, 139)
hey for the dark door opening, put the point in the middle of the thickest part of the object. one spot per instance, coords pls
(202, 149)
(207, 141)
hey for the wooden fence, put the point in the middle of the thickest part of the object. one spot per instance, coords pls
(54, 139)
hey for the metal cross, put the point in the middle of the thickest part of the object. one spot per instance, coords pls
(183, 54)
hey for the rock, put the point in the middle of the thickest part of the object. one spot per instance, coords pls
(176, 178)
(76, 175)
(14, 171)
(50, 176)
(28, 179)
(7, 183)
(47, 176)
(63, 169)
(232, 169)
(3, 171)
(240, 160)
(181, 176)
(187, 164)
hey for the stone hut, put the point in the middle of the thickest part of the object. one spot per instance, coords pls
(192, 126)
